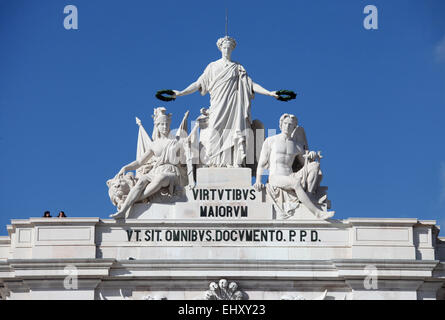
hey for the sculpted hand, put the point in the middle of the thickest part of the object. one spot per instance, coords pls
(258, 186)
(121, 172)
(176, 93)
(274, 94)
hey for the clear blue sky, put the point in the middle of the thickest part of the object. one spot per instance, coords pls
(372, 100)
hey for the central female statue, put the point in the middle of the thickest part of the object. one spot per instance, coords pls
(231, 91)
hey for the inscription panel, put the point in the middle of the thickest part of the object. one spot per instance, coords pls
(267, 235)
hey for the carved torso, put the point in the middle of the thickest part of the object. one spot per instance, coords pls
(220, 65)
(159, 146)
(282, 154)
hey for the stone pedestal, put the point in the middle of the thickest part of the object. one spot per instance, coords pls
(224, 177)
(220, 193)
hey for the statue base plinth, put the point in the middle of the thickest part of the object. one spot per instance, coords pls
(219, 194)
(224, 177)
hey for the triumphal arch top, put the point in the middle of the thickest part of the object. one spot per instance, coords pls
(216, 210)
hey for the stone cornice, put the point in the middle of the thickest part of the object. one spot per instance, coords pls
(5, 240)
(301, 265)
(382, 221)
(387, 263)
(337, 223)
(29, 273)
(409, 269)
(51, 221)
(27, 268)
(233, 223)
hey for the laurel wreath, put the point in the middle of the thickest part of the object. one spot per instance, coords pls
(165, 95)
(286, 95)
(283, 95)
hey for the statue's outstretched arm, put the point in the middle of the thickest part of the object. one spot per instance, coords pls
(259, 89)
(190, 89)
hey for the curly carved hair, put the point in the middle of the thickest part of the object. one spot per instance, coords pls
(220, 42)
(290, 116)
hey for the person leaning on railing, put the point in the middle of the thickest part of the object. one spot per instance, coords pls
(61, 215)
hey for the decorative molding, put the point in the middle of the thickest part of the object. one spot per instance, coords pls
(224, 291)
(128, 297)
(321, 297)
(149, 297)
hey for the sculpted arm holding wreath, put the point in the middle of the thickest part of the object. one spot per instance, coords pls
(231, 91)
(226, 45)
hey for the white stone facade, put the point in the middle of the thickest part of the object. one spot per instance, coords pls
(170, 251)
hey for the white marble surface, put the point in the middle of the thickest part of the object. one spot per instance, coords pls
(403, 252)
(224, 177)
(168, 250)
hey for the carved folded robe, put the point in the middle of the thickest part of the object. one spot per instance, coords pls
(285, 201)
(231, 91)
(167, 164)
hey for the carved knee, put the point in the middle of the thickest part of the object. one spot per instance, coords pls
(142, 183)
(163, 180)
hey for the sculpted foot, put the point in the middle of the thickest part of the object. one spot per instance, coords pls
(325, 215)
(117, 214)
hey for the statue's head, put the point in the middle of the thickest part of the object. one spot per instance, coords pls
(213, 286)
(226, 45)
(288, 122)
(223, 283)
(162, 122)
